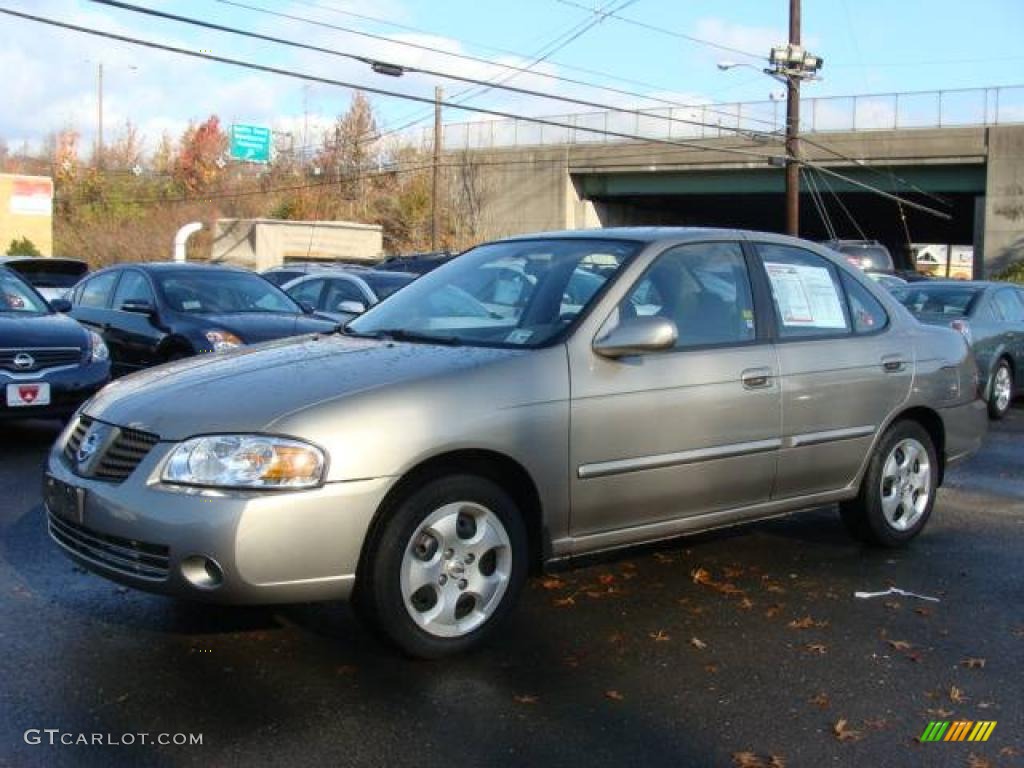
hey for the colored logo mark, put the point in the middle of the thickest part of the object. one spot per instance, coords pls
(959, 730)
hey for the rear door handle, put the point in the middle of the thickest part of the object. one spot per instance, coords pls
(893, 363)
(756, 378)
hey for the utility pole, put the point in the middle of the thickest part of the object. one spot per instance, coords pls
(435, 208)
(99, 115)
(793, 130)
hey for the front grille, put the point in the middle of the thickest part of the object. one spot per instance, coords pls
(41, 358)
(120, 456)
(134, 558)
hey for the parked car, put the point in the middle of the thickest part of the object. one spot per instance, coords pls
(864, 254)
(343, 294)
(49, 364)
(424, 462)
(157, 312)
(293, 270)
(416, 263)
(990, 316)
(51, 277)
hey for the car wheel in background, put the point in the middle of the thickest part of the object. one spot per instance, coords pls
(1000, 392)
(445, 567)
(898, 490)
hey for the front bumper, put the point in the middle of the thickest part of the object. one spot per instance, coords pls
(280, 547)
(69, 388)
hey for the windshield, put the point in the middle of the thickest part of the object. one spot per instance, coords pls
(951, 300)
(17, 296)
(202, 292)
(383, 285)
(509, 294)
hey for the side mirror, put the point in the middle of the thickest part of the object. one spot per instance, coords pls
(636, 336)
(352, 307)
(60, 305)
(139, 308)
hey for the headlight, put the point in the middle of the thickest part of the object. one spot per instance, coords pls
(222, 341)
(245, 461)
(98, 351)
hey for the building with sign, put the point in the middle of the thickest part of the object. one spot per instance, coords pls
(26, 211)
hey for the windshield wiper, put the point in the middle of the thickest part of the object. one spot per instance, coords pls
(401, 334)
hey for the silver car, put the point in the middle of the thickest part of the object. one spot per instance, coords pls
(342, 294)
(424, 461)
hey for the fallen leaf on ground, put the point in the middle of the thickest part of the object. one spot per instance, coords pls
(876, 723)
(820, 648)
(973, 663)
(697, 643)
(899, 645)
(892, 605)
(732, 572)
(821, 701)
(564, 601)
(700, 576)
(956, 695)
(661, 557)
(660, 636)
(806, 623)
(526, 699)
(746, 603)
(986, 704)
(1009, 752)
(614, 695)
(552, 583)
(978, 761)
(711, 669)
(773, 610)
(940, 713)
(606, 578)
(843, 732)
(923, 611)
(754, 760)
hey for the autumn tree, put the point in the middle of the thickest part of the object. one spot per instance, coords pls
(348, 146)
(199, 162)
(126, 151)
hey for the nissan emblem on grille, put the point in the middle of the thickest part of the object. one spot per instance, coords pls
(24, 361)
(88, 447)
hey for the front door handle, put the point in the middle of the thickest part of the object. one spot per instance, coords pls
(756, 378)
(893, 363)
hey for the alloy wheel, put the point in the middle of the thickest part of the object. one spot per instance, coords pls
(906, 484)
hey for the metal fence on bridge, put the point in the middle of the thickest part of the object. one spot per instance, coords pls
(892, 111)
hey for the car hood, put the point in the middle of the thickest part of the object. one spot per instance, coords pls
(29, 330)
(255, 327)
(252, 388)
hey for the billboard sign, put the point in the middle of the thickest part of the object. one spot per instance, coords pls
(250, 143)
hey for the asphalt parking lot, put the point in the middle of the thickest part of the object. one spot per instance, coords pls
(745, 647)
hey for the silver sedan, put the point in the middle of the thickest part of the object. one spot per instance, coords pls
(424, 461)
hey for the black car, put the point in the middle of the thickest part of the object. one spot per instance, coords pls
(416, 263)
(156, 312)
(49, 364)
(865, 254)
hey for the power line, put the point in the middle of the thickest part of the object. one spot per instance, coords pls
(421, 99)
(664, 31)
(419, 70)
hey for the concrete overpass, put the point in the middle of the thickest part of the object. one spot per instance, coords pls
(974, 172)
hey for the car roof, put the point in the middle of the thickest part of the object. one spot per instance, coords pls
(649, 235)
(959, 284)
(178, 266)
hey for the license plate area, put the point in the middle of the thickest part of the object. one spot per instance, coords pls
(28, 394)
(64, 500)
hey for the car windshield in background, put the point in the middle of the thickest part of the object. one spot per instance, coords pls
(199, 292)
(867, 256)
(16, 296)
(383, 285)
(514, 294)
(949, 300)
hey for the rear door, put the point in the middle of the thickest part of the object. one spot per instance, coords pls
(843, 368)
(1011, 306)
(91, 301)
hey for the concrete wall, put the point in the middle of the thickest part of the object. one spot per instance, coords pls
(1004, 198)
(26, 210)
(263, 243)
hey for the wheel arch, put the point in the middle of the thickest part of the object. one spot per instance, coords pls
(497, 467)
(173, 343)
(932, 423)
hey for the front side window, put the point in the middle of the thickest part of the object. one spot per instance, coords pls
(133, 288)
(307, 292)
(806, 292)
(208, 292)
(96, 291)
(339, 290)
(1009, 306)
(703, 288)
(517, 293)
(17, 296)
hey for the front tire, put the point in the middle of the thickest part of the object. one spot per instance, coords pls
(446, 566)
(1001, 391)
(898, 491)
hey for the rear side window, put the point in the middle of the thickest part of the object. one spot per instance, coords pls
(866, 312)
(806, 292)
(339, 291)
(1009, 306)
(96, 291)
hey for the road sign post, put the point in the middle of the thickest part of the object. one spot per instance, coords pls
(250, 143)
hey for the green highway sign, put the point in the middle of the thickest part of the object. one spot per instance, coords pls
(250, 143)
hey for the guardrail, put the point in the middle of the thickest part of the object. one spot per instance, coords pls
(997, 105)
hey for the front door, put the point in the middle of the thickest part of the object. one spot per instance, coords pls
(685, 431)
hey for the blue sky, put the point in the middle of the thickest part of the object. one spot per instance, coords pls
(869, 46)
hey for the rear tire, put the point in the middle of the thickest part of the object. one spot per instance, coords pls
(445, 567)
(898, 491)
(1000, 391)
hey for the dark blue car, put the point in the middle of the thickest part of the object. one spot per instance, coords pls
(49, 364)
(157, 312)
